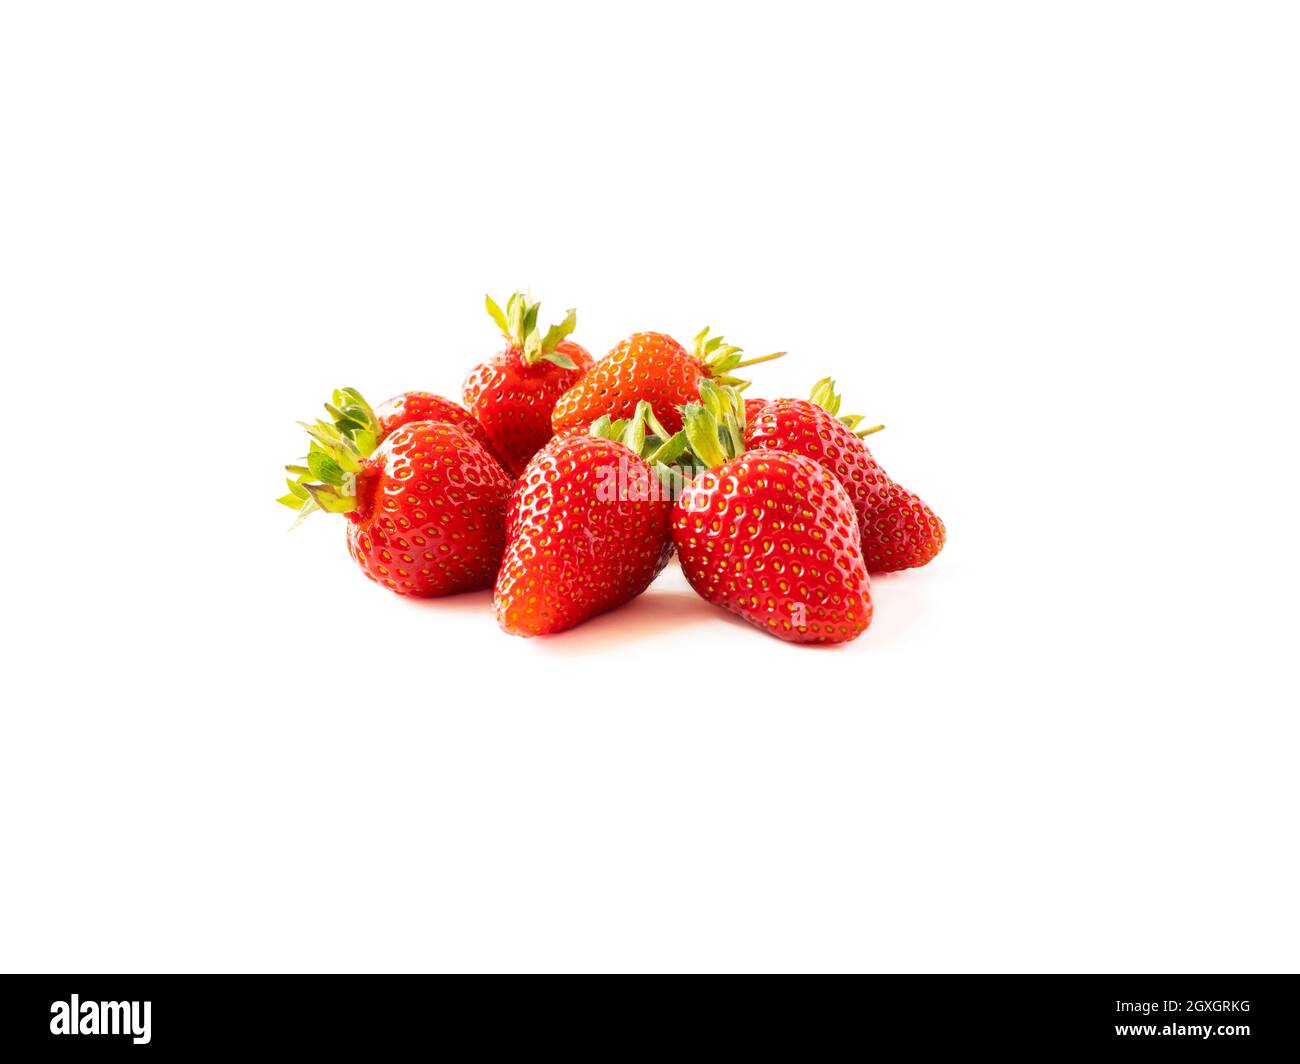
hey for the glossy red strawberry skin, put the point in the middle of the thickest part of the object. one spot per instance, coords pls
(773, 537)
(648, 365)
(578, 544)
(425, 406)
(431, 512)
(513, 400)
(903, 532)
(899, 531)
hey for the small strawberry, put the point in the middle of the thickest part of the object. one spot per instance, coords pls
(653, 367)
(587, 528)
(770, 535)
(899, 531)
(511, 394)
(425, 406)
(426, 507)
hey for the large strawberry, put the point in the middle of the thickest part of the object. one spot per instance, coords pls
(512, 393)
(653, 367)
(587, 529)
(899, 531)
(771, 536)
(426, 507)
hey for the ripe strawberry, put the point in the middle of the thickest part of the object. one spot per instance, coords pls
(355, 418)
(653, 367)
(512, 393)
(425, 406)
(899, 531)
(587, 530)
(771, 536)
(426, 507)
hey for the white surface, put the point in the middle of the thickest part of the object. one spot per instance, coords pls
(1052, 246)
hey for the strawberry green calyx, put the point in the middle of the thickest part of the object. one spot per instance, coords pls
(715, 427)
(825, 396)
(643, 434)
(518, 324)
(336, 454)
(355, 419)
(720, 357)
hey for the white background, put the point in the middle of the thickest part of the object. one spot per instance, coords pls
(1053, 246)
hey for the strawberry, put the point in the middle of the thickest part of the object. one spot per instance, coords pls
(425, 406)
(512, 393)
(653, 367)
(899, 531)
(426, 507)
(364, 424)
(587, 528)
(770, 535)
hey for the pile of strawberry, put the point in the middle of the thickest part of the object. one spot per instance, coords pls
(567, 483)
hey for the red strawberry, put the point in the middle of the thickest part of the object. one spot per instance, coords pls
(771, 536)
(511, 394)
(352, 414)
(425, 406)
(653, 367)
(426, 508)
(899, 531)
(587, 531)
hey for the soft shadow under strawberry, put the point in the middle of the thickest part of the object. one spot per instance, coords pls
(657, 612)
